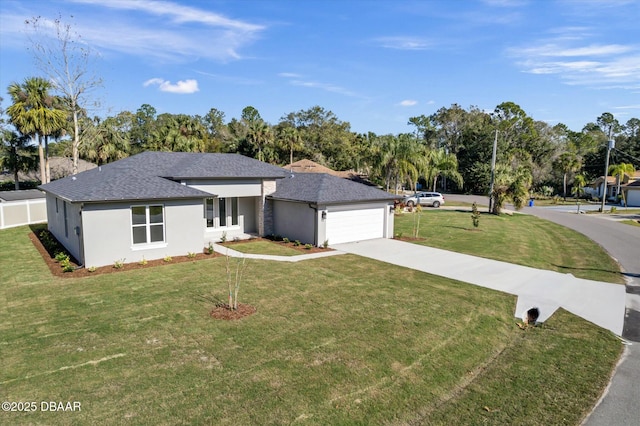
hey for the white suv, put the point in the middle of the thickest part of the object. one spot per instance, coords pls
(432, 199)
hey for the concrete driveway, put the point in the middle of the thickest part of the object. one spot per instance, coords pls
(601, 303)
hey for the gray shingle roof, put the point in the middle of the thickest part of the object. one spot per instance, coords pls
(24, 194)
(152, 175)
(321, 188)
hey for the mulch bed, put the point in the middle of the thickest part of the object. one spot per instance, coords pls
(301, 248)
(56, 269)
(224, 313)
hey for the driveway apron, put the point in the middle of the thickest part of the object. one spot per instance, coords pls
(598, 302)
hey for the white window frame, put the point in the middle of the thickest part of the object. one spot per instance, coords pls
(231, 221)
(147, 225)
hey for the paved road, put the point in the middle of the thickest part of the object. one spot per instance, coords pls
(619, 405)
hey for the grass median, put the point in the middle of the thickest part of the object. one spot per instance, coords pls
(339, 340)
(520, 239)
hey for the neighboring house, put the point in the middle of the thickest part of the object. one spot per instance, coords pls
(595, 187)
(60, 167)
(632, 193)
(22, 207)
(317, 207)
(158, 204)
(308, 166)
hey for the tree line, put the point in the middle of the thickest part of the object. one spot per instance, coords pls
(449, 150)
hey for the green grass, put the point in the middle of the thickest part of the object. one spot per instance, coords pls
(264, 247)
(339, 340)
(630, 222)
(520, 239)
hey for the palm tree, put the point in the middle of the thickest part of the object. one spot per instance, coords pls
(34, 114)
(259, 135)
(579, 182)
(16, 154)
(105, 142)
(619, 170)
(291, 137)
(400, 157)
(567, 162)
(441, 163)
(510, 184)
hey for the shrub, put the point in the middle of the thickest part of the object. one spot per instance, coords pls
(119, 264)
(325, 244)
(475, 215)
(285, 240)
(68, 268)
(209, 249)
(167, 259)
(308, 246)
(61, 257)
(223, 238)
(296, 243)
(191, 255)
(91, 269)
(143, 261)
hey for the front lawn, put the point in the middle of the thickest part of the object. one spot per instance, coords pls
(520, 239)
(338, 340)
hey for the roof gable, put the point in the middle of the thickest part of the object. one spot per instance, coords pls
(321, 188)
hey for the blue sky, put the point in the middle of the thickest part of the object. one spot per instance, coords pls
(373, 63)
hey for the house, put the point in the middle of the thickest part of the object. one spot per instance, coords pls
(158, 204)
(595, 187)
(632, 193)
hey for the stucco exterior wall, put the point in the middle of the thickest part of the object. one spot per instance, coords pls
(69, 233)
(108, 235)
(228, 187)
(294, 221)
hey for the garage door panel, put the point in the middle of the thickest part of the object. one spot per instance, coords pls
(355, 225)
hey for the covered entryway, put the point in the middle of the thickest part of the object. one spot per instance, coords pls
(349, 223)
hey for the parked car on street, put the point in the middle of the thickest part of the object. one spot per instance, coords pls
(431, 199)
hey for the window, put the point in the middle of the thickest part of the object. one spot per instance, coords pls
(147, 224)
(222, 211)
(225, 209)
(66, 220)
(209, 212)
(234, 211)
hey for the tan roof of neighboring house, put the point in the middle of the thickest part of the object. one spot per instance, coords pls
(598, 181)
(60, 167)
(308, 166)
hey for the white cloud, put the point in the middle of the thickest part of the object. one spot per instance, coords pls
(408, 103)
(299, 80)
(181, 87)
(404, 43)
(577, 61)
(162, 30)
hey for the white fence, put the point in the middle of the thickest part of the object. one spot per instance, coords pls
(24, 212)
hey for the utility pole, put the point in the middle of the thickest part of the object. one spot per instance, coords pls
(493, 171)
(610, 145)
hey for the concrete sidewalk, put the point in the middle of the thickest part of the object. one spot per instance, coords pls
(598, 302)
(234, 253)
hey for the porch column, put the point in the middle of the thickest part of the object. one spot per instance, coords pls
(265, 209)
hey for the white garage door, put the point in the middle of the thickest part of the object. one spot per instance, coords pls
(355, 225)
